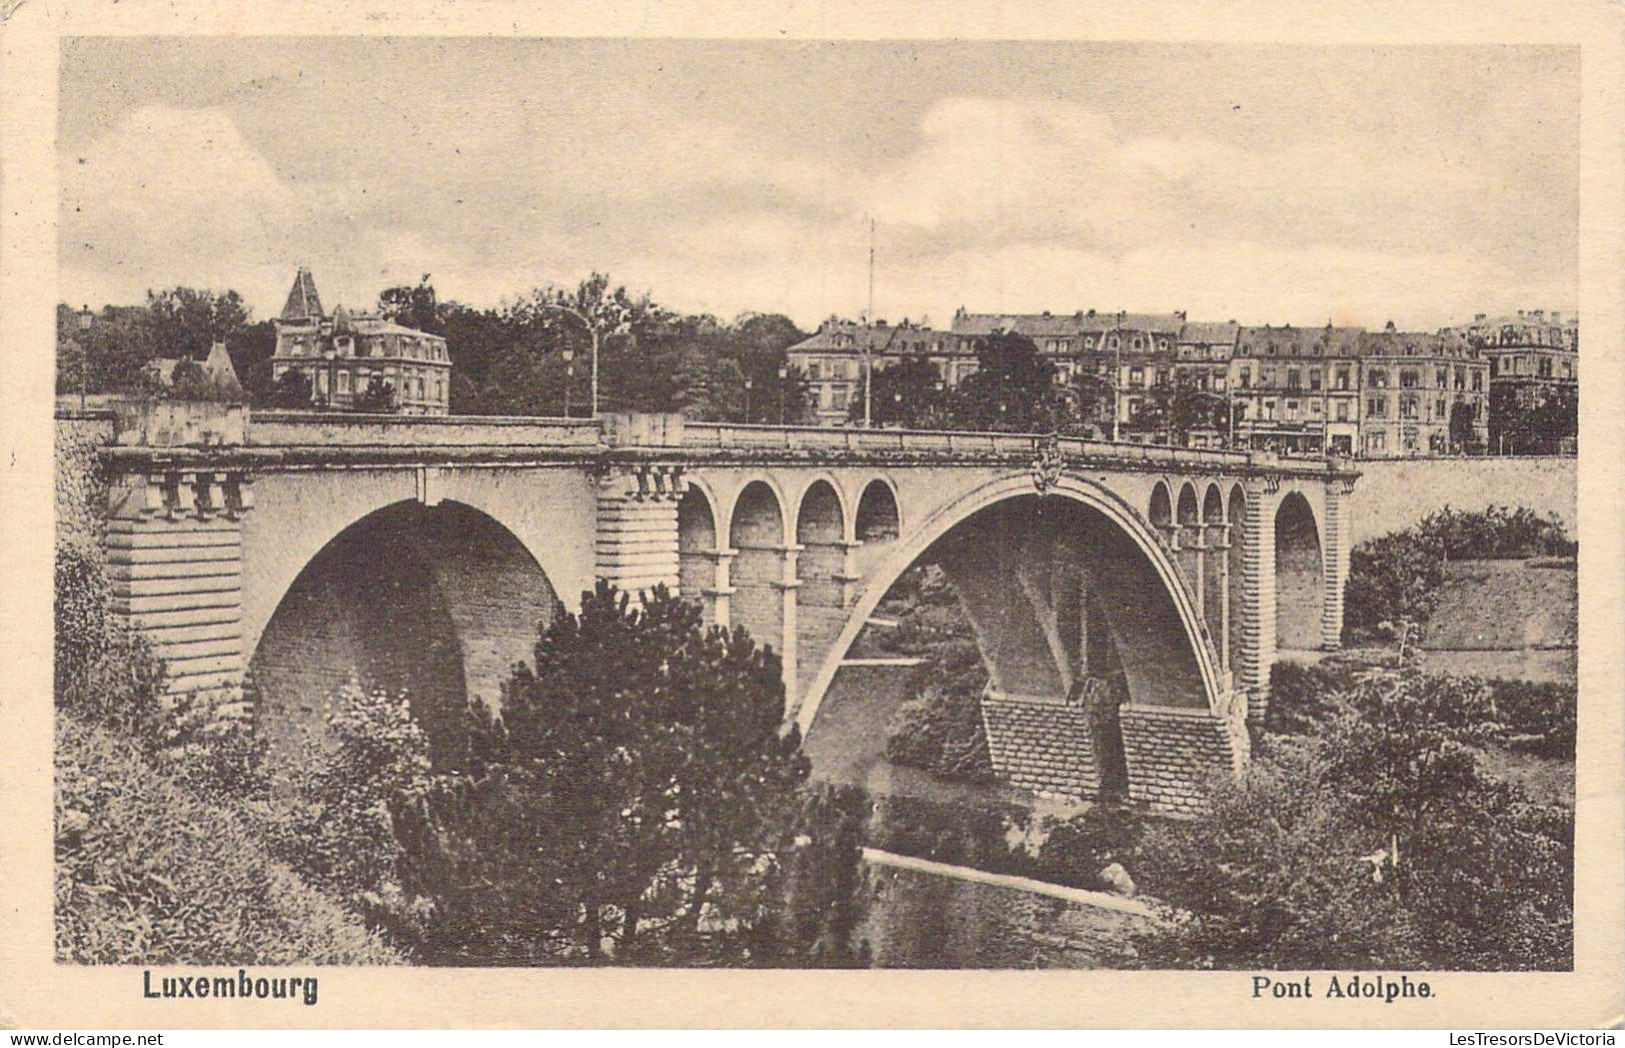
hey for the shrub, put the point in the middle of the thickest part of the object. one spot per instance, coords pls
(103, 672)
(148, 873)
(1540, 717)
(1078, 849)
(981, 836)
(940, 729)
(340, 829)
(1377, 840)
(1396, 577)
(1302, 695)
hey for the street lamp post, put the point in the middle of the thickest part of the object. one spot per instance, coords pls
(784, 376)
(569, 376)
(748, 384)
(592, 329)
(85, 316)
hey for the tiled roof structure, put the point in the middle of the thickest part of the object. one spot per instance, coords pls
(303, 301)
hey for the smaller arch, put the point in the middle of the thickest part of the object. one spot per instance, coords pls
(1299, 587)
(1187, 504)
(878, 519)
(1213, 506)
(828, 480)
(696, 544)
(821, 534)
(1161, 510)
(780, 502)
(756, 534)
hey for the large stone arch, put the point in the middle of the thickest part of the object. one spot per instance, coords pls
(437, 601)
(1300, 589)
(1202, 686)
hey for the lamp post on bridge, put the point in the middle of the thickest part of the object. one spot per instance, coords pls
(595, 331)
(784, 376)
(748, 384)
(569, 376)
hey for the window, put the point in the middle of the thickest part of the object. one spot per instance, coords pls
(1407, 407)
(1379, 378)
(1133, 407)
(1438, 409)
(1314, 407)
(1292, 410)
(1408, 378)
(1461, 378)
(1376, 407)
(1441, 377)
(344, 381)
(1269, 409)
(1293, 379)
(419, 387)
(1343, 378)
(837, 398)
(321, 381)
(1218, 383)
(1136, 377)
(1244, 378)
(1478, 381)
(1314, 378)
(1342, 411)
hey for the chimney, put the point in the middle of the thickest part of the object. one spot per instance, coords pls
(1389, 326)
(1478, 318)
(1557, 316)
(1539, 314)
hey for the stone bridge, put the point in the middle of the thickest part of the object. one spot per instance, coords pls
(1128, 600)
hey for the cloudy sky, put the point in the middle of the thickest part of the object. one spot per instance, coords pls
(1286, 184)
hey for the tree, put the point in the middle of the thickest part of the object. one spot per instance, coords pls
(291, 392)
(1463, 428)
(413, 306)
(647, 813)
(187, 321)
(905, 393)
(377, 399)
(1011, 389)
(1377, 841)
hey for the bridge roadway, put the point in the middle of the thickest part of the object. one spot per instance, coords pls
(1128, 600)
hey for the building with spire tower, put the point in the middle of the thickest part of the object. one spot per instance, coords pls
(344, 354)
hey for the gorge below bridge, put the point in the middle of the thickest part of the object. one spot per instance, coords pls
(1128, 600)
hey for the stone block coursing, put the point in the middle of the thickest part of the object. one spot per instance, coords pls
(1173, 752)
(81, 483)
(1041, 744)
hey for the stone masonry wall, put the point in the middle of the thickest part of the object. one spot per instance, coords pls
(1172, 752)
(1041, 744)
(81, 485)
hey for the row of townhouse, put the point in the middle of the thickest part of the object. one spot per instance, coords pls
(1298, 390)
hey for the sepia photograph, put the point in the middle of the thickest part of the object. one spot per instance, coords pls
(541, 501)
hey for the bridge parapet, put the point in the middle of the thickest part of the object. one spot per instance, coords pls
(303, 428)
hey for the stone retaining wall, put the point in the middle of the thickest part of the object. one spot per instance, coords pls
(1173, 752)
(1041, 744)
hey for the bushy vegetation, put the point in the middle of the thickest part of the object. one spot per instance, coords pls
(150, 870)
(1376, 839)
(1537, 717)
(654, 816)
(940, 729)
(162, 820)
(1395, 578)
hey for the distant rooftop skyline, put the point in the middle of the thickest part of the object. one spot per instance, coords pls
(1283, 184)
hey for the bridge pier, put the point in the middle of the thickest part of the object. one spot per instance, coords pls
(175, 564)
(637, 542)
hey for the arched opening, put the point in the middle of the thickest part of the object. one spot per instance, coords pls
(437, 602)
(821, 534)
(1161, 510)
(1216, 574)
(1237, 515)
(696, 548)
(1072, 617)
(1190, 553)
(757, 533)
(1298, 583)
(878, 519)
